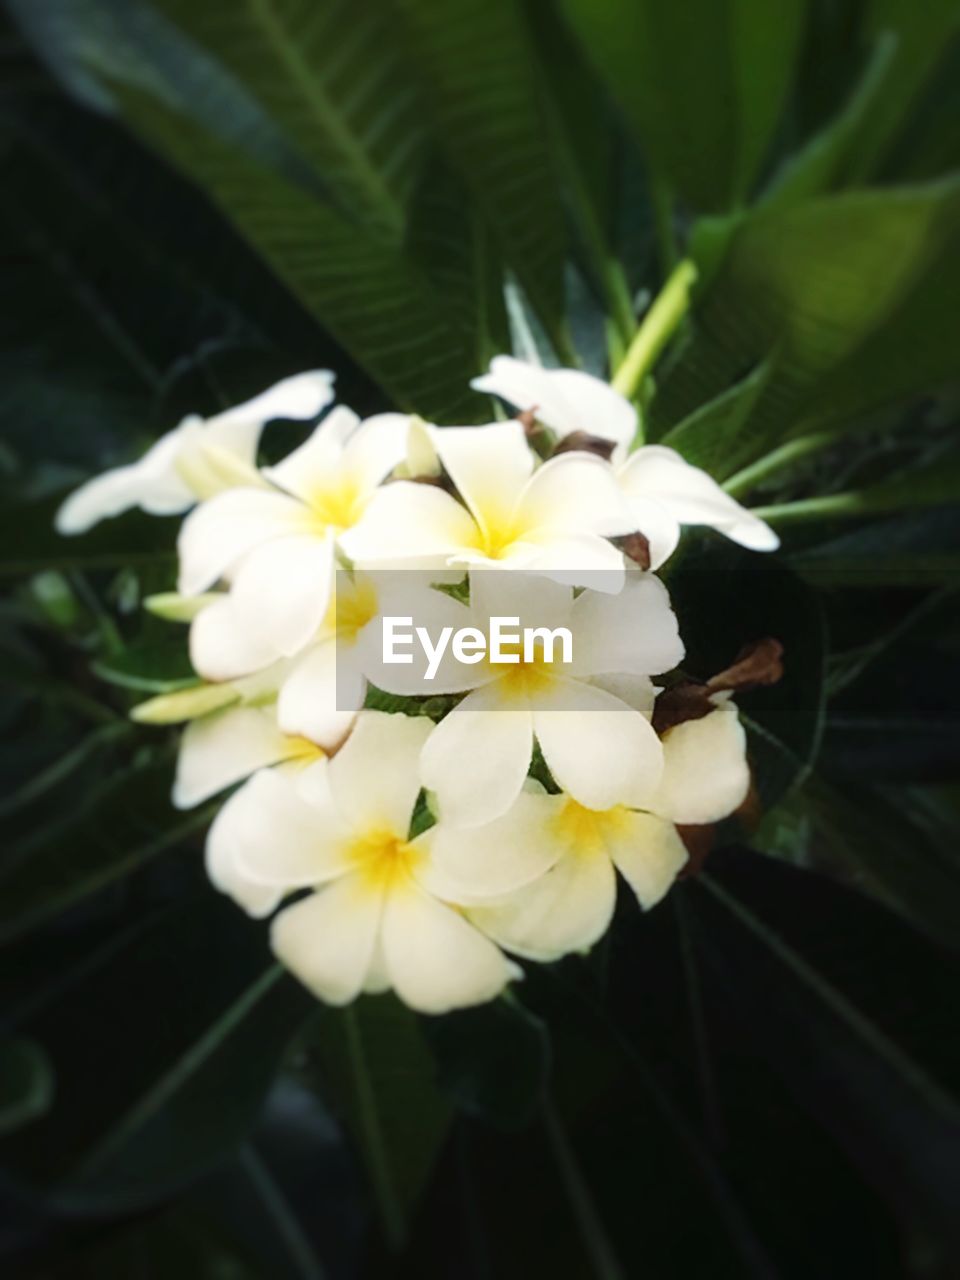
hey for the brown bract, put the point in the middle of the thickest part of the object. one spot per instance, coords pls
(584, 442)
(756, 666)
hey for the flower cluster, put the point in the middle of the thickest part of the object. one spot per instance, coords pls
(426, 848)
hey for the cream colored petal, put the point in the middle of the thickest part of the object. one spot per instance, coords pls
(634, 632)
(222, 648)
(375, 776)
(574, 493)
(377, 446)
(638, 692)
(476, 863)
(311, 467)
(221, 858)
(564, 399)
(219, 533)
(648, 853)
(488, 465)
(301, 396)
(328, 940)
(706, 776)
(599, 750)
(408, 524)
(436, 959)
(692, 496)
(281, 592)
(151, 482)
(566, 910)
(224, 748)
(310, 703)
(658, 525)
(576, 559)
(286, 841)
(476, 759)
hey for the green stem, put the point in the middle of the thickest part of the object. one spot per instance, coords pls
(778, 460)
(830, 505)
(656, 329)
(662, 199)
(378, 1167)
(595, 1241)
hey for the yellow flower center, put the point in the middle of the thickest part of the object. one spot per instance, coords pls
(302, 751)
(496, 531)
(382, 857)
(353, 607)
(521, 679)
(586, 831)
(336, 506)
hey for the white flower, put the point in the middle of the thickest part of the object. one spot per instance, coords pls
(663, 492)
(542, 878)
(590, 716)
(277, 545)
(555, 518)
(373, 923)
(196, 459)
(222, 748)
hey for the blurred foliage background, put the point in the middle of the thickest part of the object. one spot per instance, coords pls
(758, 1079)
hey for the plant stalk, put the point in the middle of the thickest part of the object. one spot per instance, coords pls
(778, 460)
(656, 329)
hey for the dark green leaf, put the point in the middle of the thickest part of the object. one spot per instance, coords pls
(702, 84)
(26, 1083)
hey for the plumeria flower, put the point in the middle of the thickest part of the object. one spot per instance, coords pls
(373, 922)
(662, 491)
(553, 518)
(542, 878)
(590, 716)
(197, 459)
(276, 545)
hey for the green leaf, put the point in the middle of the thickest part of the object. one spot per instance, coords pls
(31, 544)
(493, 1061)
(709, 435)
(335, 82)
(26, 1083)
(114, 829)
(862, 838)
(376, 300)
(702, 84)
(164, 1049)
(478, 62)
(916, 549)
(380, 1071)
(806, 286)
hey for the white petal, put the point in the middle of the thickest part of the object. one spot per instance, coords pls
(375, 776)
(599, 750)
(436, 960)
(409, 597)
(692, 496)
(151, 482)
(222, 861)
(638, 692)
(309, 702)
(564, 399)
(223, 748)
(328, 939)
(313, 466)
(299, 397)
(281, 592)
(568, 909)
(377, 446)
(221, 648)
(286, 841)
(489, 466)
(658, 525)
(574, 493)
(635, 632)
(648, 853)
(215, 536)
(705, 772)
(475, 863)
(476, 759)
(538, 601)
(576, 559)
(418, 524)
